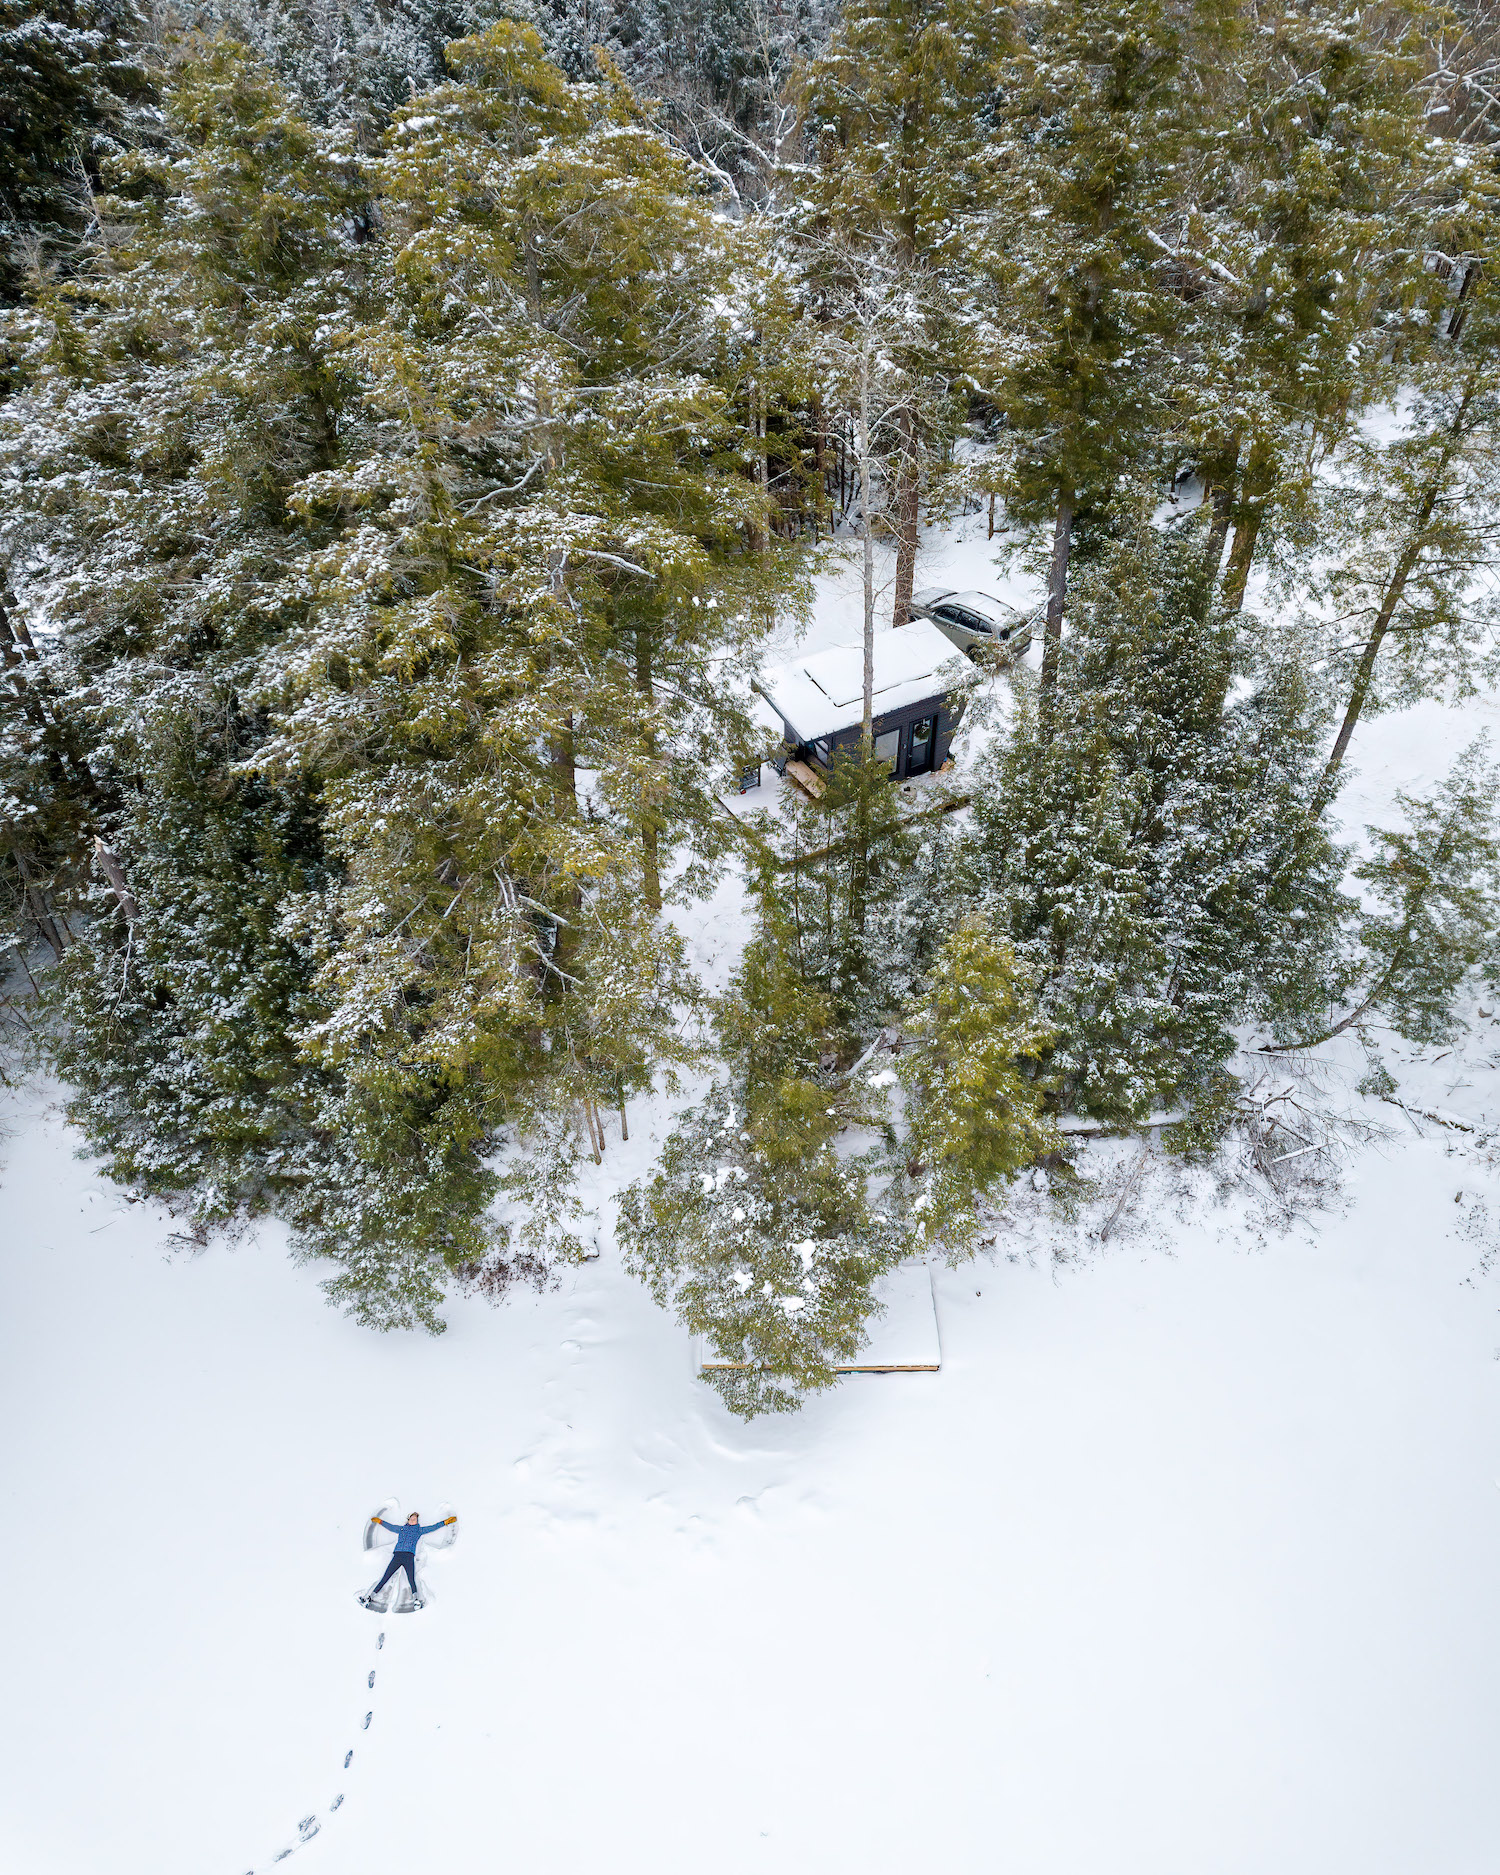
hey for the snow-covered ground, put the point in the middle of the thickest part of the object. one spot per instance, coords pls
(960, 556)
(1184, 1564)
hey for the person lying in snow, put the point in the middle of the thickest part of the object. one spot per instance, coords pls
(408, 1536)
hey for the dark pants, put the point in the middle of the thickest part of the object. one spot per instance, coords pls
(403, 1559)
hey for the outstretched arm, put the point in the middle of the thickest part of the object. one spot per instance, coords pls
(427, 1529)
(377, 1518)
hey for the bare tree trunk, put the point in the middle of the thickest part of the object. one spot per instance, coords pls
(1365, 670)
(1260, 479)
(1057, 589)
(1241, 557)
(1458, 317)
(760, 533)
(1218, 533)
(908, 494)
(1362, 676)
(36, 898)
(991, 534)
(620, 1098)
(21, 959)
(1390, 599)
(650, 832)
(867, 717)
(860, 855)
(1218, 494)
(114, 872)
(565, 768)
(820, 463)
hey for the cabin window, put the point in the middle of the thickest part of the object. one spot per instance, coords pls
(888, 747)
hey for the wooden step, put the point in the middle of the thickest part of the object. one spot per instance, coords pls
(807, 779)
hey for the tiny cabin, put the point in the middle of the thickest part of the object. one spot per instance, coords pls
(820, 699)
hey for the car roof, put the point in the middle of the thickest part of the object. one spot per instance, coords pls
(981, 602)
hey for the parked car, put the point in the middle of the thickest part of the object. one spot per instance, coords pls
(974, 618)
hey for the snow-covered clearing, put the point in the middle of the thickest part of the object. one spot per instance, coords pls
(1184, 1564)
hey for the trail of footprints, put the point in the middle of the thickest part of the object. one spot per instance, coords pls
(310, 1825)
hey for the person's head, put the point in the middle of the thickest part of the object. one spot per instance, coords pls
(415, 1517)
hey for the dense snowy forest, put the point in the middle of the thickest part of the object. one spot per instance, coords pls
(413, 420)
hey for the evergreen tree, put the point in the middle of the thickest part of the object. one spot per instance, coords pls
(1419, 509)
(73, 93)
(417, 644)
(758, 1227)
(896, 116)
(974, 1099)
(177, 393)
(1432, 906)
(550, 572)
(763, 1241)
(350, 62)
(1098, 104)
(775, 1256)
(1153, 858)
(843, 896)
(1290, 251)
(47, 792)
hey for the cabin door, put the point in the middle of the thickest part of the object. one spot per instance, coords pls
(922, 747)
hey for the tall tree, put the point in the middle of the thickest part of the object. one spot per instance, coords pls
(896, 115)
(1432, 903)
(1418, 508)
(73, 92)
(973, 1040)
(1290, 247)
(1153, 858)
(1098, 103)
(760, 1227)
(416, 654)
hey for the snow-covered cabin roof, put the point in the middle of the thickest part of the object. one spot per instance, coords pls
(822, 694)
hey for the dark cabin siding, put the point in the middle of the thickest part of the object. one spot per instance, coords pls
(901, 720)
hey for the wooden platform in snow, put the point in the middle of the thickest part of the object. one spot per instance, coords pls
(903, 1340)
(807, 779)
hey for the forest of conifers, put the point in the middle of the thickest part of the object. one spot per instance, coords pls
(414, 419)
